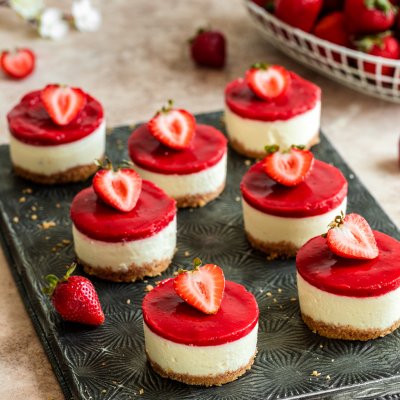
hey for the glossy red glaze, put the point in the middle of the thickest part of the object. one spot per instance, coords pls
(301, 96)
(348, 277)
(167, 315)
(30, 123)
(206, 148)
(323, 190)
(94, 218)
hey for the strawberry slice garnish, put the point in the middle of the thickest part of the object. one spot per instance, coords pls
(289, 167)
(202, 288)
(63, 103)
(18, 64)
(172, 127)
(118, 188)
(268, 81)
(75, 298)
(352, 237)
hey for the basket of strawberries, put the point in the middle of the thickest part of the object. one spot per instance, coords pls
(351, 41)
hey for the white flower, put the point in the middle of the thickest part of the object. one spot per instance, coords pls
(86, 17)
(28, 9)
(52, 24)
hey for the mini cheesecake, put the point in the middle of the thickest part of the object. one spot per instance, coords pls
(279, 219)
(194, 175)
(291, 118)
(124, 246)
(48, 153)
(351, 299)
(187, 345)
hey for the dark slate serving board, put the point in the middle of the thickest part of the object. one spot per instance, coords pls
(109, 362)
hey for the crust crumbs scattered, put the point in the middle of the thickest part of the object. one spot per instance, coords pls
(293, 299)
(157, 283)
(104, 391)
(34, 208)
(66, 241)
(128, 301)
(58, 205)
(247, 162)
(274, 300)
(16, 220)
(34, 217)
(237, 198)
(149, 288)
(328, 377)
(176, 273)
(141, 391)
(27, 191)
(187, 254)
(321, 346)
(268, 294)
(22, 199)
(47, 224)
(279, 290)
(315, 373)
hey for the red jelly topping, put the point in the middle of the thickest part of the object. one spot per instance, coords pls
(30, 123)
(167, 315)
(348, 277)
(206, 148)
(323, 190)
(94, 218)
(301, 96)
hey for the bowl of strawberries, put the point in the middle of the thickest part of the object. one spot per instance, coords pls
(355, 42)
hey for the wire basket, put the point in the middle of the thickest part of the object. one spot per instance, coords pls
(336, 62)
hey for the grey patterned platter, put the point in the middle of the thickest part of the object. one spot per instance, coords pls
(109, 362)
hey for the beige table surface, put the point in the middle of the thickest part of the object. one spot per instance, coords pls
(133, 64)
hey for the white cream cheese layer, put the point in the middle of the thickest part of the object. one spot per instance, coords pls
(273, 229)
(49, 160)
(378, 312)
(119, 256)
(200, 360)
(206, 181)
(254, 135)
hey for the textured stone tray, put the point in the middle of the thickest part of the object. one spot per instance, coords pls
(109, 362)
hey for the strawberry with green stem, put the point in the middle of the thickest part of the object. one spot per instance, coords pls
(203, 287)
(173, 127)
(74, 298)
(120, 188)
(289, 167)
(351, 236)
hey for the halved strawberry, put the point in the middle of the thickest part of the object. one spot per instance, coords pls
(202, 288)
(172, 127)
(18, 64)
(63, 103)
(268, 81)
(352, 237)
(119, 189)
(289, 167)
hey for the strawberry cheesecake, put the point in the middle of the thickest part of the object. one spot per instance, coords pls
(123, 228)
(186, 159)
(200, 330)
(56, 134)
(349, 281)
(271, 106)
(288, 198)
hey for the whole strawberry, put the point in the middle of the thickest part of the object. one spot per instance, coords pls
(332, 28)
(75, 298)
(382, 45)
(368, 16)
(208, 48)
(300, 14)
